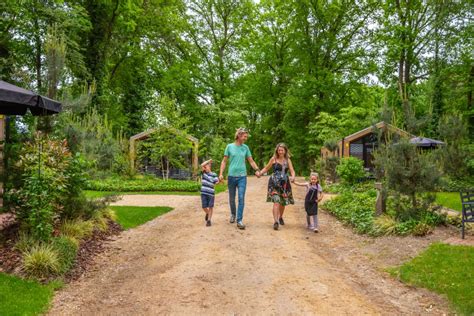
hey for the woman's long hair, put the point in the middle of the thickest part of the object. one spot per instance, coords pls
(287, 151)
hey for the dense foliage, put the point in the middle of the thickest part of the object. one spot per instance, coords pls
(350, 170)
(355, 206)
(142, 184)
(302, 72)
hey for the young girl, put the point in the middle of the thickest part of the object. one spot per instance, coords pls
(279, 187)
(314, 195)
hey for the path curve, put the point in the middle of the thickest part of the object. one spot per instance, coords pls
(176, 265)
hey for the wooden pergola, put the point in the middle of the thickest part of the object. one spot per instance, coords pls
(146, 134)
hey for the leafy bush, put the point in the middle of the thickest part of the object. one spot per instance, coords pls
(66, 248)
(421, 229)
(49, 184)
(77, 229)
(355, 206)
(350, 170)
(144, 184)
(41, 261)
(355, 209)
(456, 184)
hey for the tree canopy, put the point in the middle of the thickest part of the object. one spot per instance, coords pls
(298, 71)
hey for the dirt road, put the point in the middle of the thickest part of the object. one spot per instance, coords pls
(176, 265)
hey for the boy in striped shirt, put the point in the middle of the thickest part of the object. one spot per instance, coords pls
(208, 181)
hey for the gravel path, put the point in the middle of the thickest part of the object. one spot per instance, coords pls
(176, 265)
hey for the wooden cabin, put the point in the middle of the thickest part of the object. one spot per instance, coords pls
(363, 143)
(174, 173)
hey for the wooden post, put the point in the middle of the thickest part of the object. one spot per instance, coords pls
(380, 201)
(132, 155)
(195, 159)
(2, 162)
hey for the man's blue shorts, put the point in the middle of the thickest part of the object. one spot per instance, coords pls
(207, 200)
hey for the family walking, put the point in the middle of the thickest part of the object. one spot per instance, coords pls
(279, 183)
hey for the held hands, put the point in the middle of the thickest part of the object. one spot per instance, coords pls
(221, 178)
(292, 179)
(258, 174)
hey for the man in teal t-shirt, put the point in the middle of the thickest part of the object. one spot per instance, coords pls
(237, 153)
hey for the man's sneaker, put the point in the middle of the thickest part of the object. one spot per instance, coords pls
(240, 225)
(282, 222)
(232, 218)
(275, 226)
(208, 223)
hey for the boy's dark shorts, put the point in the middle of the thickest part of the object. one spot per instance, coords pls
(207, 200)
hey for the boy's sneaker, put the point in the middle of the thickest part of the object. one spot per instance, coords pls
(208, 223)
(275, 226)
(232, 218)
(282, 222)
(240, 225)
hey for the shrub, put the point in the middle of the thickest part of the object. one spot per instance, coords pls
(385, 225)
(350, 170)
(25, 242)
(421, 229)
(49, 185)
(456, 184)
(77, 228)
(144, 184)
(66, 248)
(41, 261)
(355, 209)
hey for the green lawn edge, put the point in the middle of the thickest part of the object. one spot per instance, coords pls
(451, 200)
(444, 269)
(132, 216)
(25, 297)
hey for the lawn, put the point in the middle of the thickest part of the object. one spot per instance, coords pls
(22, 297)
(133, 216)
(450, 200)
(444, 269)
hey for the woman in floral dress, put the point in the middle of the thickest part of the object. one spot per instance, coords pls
(279, 184)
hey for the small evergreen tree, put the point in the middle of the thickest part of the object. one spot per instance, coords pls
(407, 169)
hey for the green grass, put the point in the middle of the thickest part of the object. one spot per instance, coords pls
(444, 269)
(450, 200)
(24, 297)
(133, 216)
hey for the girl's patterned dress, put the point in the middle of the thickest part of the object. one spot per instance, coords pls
(279, 187)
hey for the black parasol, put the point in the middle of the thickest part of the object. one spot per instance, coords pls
(426, 142)
(16, 101)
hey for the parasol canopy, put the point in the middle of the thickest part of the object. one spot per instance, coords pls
(16, 101)
(426, 142)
